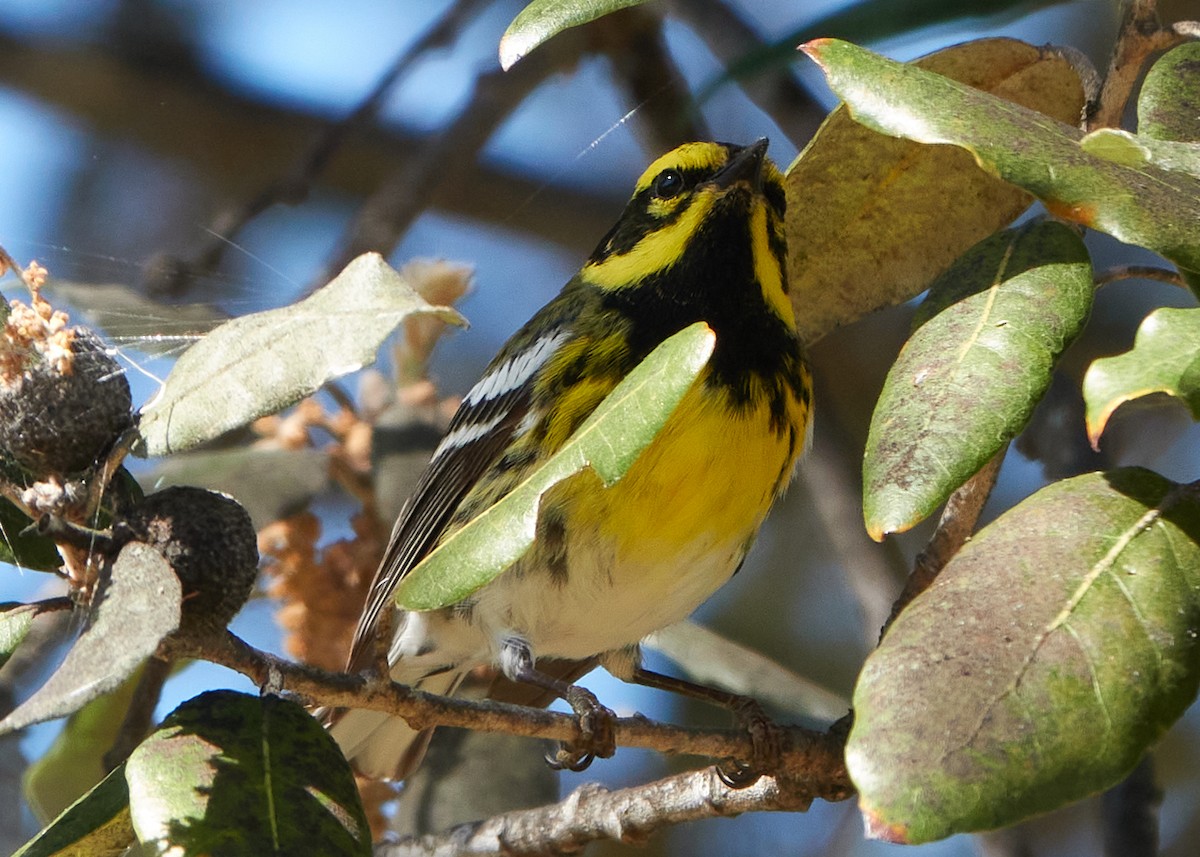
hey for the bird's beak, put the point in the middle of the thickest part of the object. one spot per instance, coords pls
(746, 165)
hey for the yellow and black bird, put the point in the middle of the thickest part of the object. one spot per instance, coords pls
(702, 239)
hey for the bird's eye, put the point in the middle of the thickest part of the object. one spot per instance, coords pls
(667, 184)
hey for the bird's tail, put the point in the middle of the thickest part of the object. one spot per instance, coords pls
(385, 747)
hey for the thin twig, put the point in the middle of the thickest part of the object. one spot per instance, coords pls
(812, 756)
(954, 528)
(1141, 34)
(1139, 272)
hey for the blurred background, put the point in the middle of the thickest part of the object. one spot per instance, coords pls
(236, 155)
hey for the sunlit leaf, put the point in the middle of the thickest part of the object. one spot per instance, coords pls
(134, 610)
(1131, 150)
(1144, 205)
(543, 19)
(238, 774)
(1165, 358)
(259, 364)
(873, 219)
(1039, 667)
(967, 381)
(608, 443)
(1167, 102)
(96, 825)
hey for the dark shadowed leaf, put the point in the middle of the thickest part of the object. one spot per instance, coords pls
(1146, 205)
(872, 219)
(131, 614)
(967, 381)
(73, 764)
(542, 19)
(27, 550)
(96, 825)
(1165, 358)
(238, 774)
(607, 443)
(261, 363)
(1169, 101)
(269, 483)
(1043, 662)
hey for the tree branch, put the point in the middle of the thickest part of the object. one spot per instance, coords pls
(592, 813)
(1141, 35)
(954, 528)
(810, 757)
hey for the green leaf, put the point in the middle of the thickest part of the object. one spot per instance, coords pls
(26, 550)
(135, 608)
(873, 219)
(1039, 667)
(542, 19)
(96, 825)
(74, 762)
(15, 621)
(1130, 150)
(1146, 205)
(229, 773)
(608, 443)
(1165, 358)
(261, 363)
(980, 359)
(1167, 103)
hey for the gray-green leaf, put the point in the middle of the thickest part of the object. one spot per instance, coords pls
(261, 363)
(980, 359)
(1039, 667)
(542, 19)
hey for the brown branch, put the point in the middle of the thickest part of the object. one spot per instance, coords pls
(1141, 34)
(1139, 272)
(1129, 821)
(593, 813)
(811, 757)
(954, 528)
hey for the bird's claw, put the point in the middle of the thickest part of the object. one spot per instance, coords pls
(767, 740)
(597, 733)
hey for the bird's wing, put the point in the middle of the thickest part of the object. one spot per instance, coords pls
(486, 423)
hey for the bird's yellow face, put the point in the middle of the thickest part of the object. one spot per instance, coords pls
(689, 197)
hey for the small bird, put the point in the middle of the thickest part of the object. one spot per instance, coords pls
(702, 239)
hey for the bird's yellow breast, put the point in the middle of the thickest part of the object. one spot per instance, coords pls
(710, 477)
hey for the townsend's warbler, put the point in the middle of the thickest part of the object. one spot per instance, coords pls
(702, 239)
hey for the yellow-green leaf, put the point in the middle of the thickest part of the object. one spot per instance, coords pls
(1165, 358)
